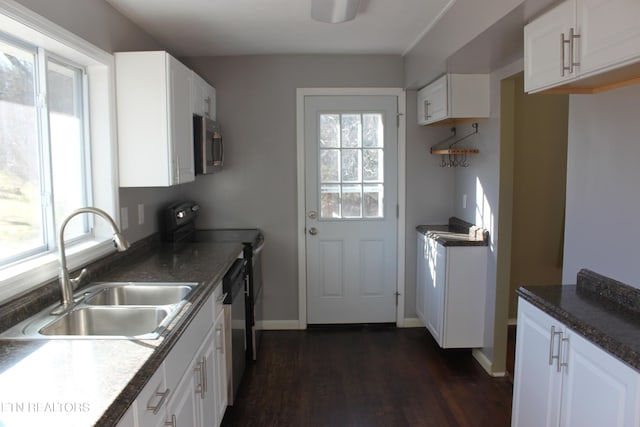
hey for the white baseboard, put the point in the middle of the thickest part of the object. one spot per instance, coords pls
(512, 322)
(485, 363)
(288, 325)
(413, 322)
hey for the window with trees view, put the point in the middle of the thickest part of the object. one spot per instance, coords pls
(43, 149)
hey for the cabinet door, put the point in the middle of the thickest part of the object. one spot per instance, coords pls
(537, 382)
(182, 409)
(434, 291)
(609, 33)
(220, 371)
(207, 384)
(421, 275)
(597, 389)
(544, 50)
(180, 106)
(432, 102)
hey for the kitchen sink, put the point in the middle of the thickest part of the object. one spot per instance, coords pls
(139, 294)
(109, 310)
(108, 321)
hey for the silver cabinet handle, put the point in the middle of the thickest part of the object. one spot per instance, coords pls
(557, 357)
(561, 361)
(564, 41)
(571, 40)
(313, 231)
(163, 396)
(205, 383)
(572, 48)
(200, 388)
(219, 343)
(427, 116)
(172, 422)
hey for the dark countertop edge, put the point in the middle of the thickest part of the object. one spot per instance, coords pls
(130, 393)
(438, 232)
(601, 339)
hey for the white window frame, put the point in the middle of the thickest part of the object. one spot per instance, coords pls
(24, 24)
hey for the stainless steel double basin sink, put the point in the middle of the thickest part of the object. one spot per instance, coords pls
(111, 310)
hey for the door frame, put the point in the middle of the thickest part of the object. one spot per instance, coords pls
(301, 93)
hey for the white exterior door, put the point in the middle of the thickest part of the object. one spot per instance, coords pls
(351, 149)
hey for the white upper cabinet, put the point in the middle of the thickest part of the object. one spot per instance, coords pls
(583, 46)
(155, 125)
(544, 51)
(204, 97)
(452, 97)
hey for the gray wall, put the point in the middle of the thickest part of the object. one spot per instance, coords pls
(97, 22)
(256, 104)
(603, 173)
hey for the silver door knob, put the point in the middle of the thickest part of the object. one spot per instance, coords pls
(313, 231)
(312, 214)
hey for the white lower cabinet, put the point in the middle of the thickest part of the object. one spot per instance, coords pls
(451, 292)
(562, 379)
(189, 388)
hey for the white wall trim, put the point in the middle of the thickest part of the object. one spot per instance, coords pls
(302, 252)
(486, 364)
(412, 322)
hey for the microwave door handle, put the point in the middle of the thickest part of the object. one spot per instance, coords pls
(221, 152)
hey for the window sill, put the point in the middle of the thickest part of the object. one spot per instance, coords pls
(25, 276)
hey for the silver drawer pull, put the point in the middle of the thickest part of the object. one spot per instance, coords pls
(163, 396)
(172, 422)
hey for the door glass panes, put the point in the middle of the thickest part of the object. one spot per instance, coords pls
(351, 164)
(22, 226)
(64, 84)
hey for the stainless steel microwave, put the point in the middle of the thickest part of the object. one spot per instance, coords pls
(208, 147)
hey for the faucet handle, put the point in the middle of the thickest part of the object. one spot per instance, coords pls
(77, 281)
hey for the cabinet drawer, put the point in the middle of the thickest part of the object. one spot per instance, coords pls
(192, 338)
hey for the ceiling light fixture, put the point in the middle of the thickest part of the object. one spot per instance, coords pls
(334, 11)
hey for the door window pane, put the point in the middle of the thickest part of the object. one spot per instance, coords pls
(351, 153)
(22, 226)
(329, 130)
(330, 166)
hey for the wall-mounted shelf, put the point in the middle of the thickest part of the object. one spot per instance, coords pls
(455, 151)
(453, 157)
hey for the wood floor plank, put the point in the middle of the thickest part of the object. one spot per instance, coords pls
(366, 376)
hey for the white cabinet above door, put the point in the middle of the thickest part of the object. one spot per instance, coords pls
(155, 125)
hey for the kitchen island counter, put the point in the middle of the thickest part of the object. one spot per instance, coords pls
(85, 382)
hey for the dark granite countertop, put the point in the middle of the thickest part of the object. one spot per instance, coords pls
(602, 310)
(93, 382)
(456, 233)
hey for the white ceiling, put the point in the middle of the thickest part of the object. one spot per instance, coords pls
(255, 27)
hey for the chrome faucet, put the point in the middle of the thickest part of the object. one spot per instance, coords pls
(67, 284)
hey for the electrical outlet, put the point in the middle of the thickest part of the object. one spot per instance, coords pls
(124, 218)
(140, 214)
(464, 201)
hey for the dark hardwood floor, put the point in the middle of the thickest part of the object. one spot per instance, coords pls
(366, 376)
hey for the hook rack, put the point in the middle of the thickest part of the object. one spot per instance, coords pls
(456, 156)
